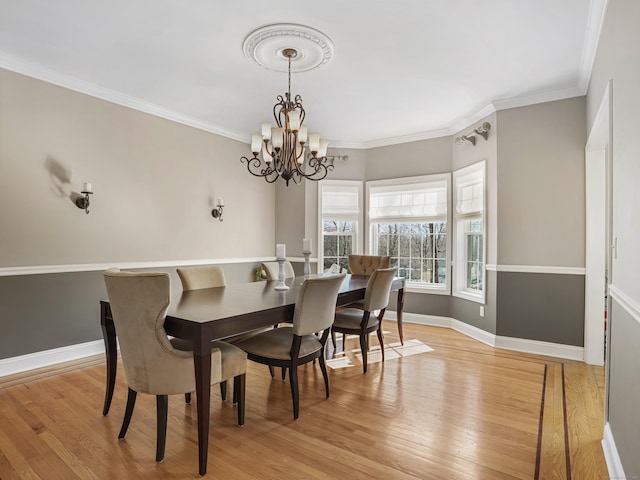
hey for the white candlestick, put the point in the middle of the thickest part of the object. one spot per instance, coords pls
(281, 251)
(86, 187)
(220, 202)
(306, 245)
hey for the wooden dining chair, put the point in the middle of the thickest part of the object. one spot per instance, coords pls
(288, 347)
(361, 322)
(152, 365)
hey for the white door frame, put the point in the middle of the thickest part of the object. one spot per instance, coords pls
(598, 175)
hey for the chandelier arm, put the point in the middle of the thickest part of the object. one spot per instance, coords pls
(321, 168)
(255, 168)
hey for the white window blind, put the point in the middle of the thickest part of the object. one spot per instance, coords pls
(340, 200)
(423, 201)
(469, 193)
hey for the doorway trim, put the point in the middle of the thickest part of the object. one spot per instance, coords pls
(598, 210)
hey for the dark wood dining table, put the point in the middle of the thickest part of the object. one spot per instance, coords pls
(218, 313)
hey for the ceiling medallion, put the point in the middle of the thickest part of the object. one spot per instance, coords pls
(266, 46)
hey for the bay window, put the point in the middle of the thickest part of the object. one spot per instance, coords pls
(408, 220)
(469, 233)
(340, 220)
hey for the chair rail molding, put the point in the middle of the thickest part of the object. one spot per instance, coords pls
(631, 306)
(98, 267)
(537, 269)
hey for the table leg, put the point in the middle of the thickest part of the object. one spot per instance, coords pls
(109, 336)
(399, 308)
(202, 365)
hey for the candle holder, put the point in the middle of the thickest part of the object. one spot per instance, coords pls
(307, 268)
(281, 285)
(83, 201)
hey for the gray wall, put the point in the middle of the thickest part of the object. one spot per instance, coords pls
(155, 182)
(539, 306)
(624, 388)
(618, 58)
(541, 185)
(42, 312)
(541, 220)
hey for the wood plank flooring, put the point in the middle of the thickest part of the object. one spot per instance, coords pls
(462, 411)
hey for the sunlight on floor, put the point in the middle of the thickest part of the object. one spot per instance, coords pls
(391, 351)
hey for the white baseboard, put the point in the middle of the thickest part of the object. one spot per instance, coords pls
(47, 358)
(474, 332)
(569, 352)
(614, 465)
(420, 319)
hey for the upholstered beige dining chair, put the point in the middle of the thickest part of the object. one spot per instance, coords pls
(196, 278)
(139, 302)
(288, 347)
(354, 321)
(367, 264)
(362, 265)
(271, 270)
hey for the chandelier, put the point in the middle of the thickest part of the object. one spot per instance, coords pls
(283, 146)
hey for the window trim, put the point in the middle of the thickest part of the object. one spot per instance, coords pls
(459, 263)
(358, 219)
(415, 287)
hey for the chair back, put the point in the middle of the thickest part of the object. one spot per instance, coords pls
(271, 270)
(139, 303)
(376, 296)
(195, 278)
(367, 264)
(316, 304)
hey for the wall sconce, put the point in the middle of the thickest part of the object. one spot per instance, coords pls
(217, 212)
(482, 130)
(83, 201)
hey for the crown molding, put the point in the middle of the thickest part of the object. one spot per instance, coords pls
(13, 64)
(535, 98)
(597, 11)
(413, 137)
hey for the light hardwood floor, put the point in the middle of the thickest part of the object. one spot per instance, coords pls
(462, 411)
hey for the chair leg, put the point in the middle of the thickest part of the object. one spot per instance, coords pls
(333, 339)
(284, 373)
(239, 396)
(323, 367)
(162, 406)
(381, 340)
(363, 350)
(295, 395)
(344, 342)
(187, 397)
(128, 412)
(223, 390)
(271, 371)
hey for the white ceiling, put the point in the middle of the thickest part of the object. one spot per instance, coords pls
(401, 70)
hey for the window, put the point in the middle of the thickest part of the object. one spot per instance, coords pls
(340, 214)
(408, 222)
(469, 232)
